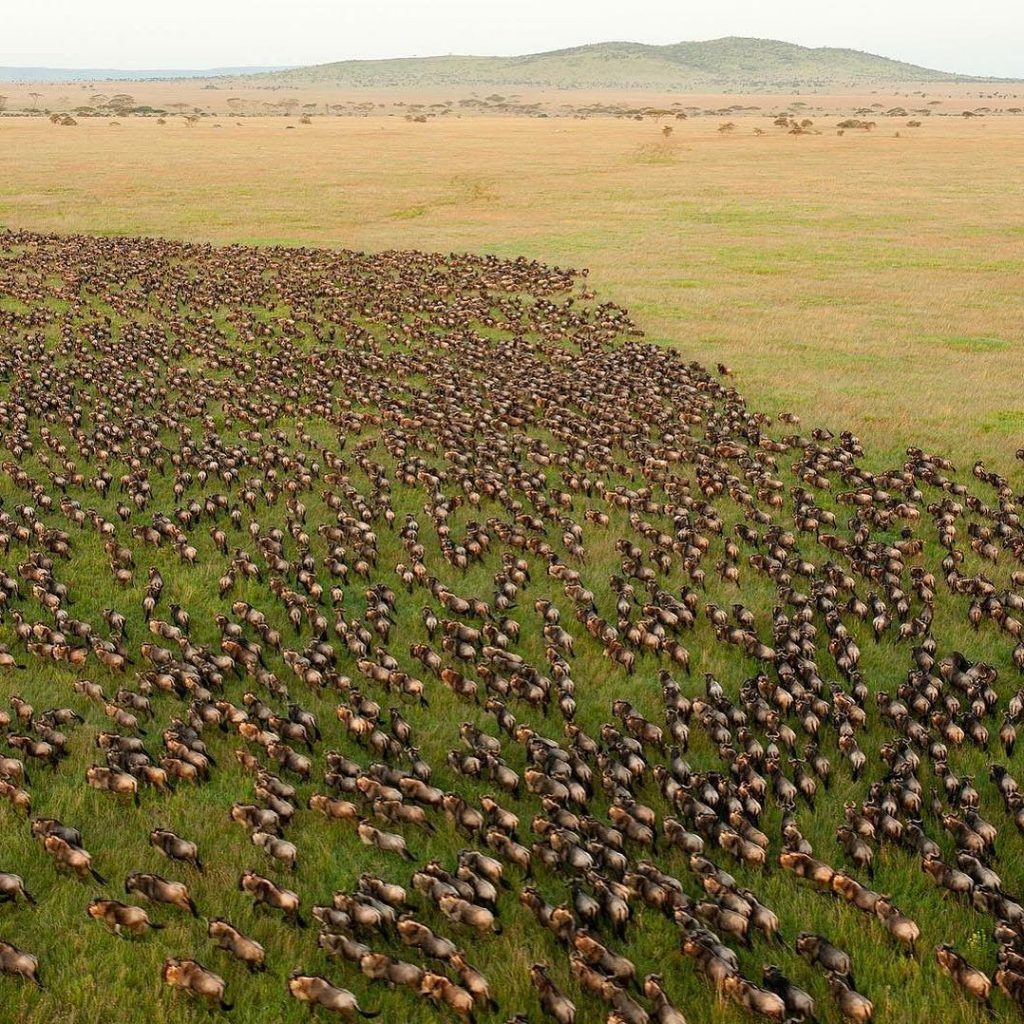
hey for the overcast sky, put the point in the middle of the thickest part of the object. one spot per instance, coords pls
(984, 38)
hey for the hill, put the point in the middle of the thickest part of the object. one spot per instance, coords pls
(730, 64)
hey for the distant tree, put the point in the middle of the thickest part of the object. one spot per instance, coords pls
(121, 102)
(3, 103)
(35, 97)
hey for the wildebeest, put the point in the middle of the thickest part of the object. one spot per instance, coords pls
(854, 1007)
(816, 949)
(553, 1001)
(12, 887)
(121, 917)
(17, 962)
(242, 948)
(266, 893)
(413, 933)
(320, 993)
(191, 977)
(176, 848)
(973, 982)
(160, 890)
(71, 858)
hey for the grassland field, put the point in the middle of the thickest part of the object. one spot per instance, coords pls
(865, 281)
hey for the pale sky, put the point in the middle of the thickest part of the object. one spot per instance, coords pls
(983, 38)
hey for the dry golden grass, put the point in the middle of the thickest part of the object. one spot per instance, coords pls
(213, 95)
(866, 281)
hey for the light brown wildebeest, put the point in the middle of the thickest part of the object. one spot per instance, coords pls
(121, 917)
(192, 977)
(242, 948)
(317, 992)
(17, 962)
(71, 858)
(265, 893)
(159, 890)
(12, 887)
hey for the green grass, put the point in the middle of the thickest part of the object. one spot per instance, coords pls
(972, 344)
(1005, 423)
(882, 322)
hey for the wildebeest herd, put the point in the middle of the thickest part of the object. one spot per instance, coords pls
(440, 638)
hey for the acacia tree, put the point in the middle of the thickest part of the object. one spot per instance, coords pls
(3, 103)
(121, 102)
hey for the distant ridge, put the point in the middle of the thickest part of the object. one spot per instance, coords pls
(730, 64)
(9, 74)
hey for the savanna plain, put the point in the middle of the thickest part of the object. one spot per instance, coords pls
(867, 281)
